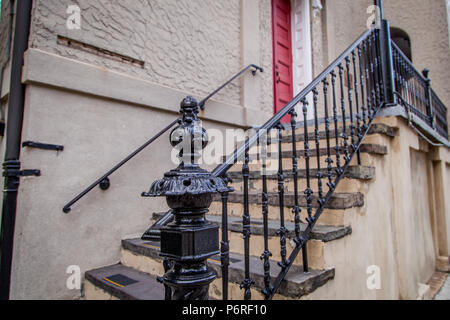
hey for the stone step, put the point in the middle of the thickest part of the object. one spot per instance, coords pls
(296, 284)
(367, 155)
(337, 200)
(316, 245)
(376, 128)
(121, 282)
(353, 181)
(353, 172)
(371, 148)
(339, 211)
(330, 217)
(320, 232)
(378, 132)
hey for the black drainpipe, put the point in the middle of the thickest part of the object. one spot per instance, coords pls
(11, 166)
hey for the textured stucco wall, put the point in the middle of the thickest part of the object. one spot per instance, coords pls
(5, 20)
(100, 133)
(190, 45)
(394, 228)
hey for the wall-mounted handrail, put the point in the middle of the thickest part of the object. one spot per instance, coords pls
(103, 181)
(104, 177)
(201, 104)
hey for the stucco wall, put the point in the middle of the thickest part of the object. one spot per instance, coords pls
(5, 20)
(393, 230)
(187, 45)
(97, 132)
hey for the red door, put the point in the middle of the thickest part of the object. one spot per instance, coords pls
(282, 54)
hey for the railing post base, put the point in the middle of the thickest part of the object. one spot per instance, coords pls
(189, 240)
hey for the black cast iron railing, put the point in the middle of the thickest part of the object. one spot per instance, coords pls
(347, 97)
(439, 112)
(414, 91)
(104, 182)
(333, 114)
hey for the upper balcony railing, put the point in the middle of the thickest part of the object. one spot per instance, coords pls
(414, 91)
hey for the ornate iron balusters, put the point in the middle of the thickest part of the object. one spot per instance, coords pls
(329, 160)
(296, 210)
(344, 125)
(372, 79)
(282, 231)
(225, 246)
(265, 256)
(337, 148)
(308, 192)
(246, 284)
(350, 103)
(367, 79)
(361, 77)
(358, 115)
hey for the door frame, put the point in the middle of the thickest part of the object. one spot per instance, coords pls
(273, 55)
(307, 55)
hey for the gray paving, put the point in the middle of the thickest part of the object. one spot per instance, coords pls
(444, 293)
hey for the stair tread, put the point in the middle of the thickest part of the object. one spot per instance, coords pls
(337, 200)
(352, 172)
(145, 286)
(376, 128)
(320, 232)
(371, 148)
(296, 283)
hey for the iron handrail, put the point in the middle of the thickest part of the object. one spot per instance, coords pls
(275, 122)
(409, 62)
(68, 206)
(435, 107)
(272, 122)
(104, 179)
(201, 104)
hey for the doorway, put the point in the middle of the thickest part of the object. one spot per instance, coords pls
(292, 62)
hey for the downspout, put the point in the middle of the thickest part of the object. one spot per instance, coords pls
(11, 165)
(8, 53)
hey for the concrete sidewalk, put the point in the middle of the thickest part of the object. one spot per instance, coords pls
(444, 293)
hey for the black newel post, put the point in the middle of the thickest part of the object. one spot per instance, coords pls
(189, 240)
(385, 51)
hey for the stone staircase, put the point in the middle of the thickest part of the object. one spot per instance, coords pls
(135, 276)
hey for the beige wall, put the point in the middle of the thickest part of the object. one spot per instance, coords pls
(193, 46)
(101, 109)
(4, 30)
(395, 228)
(97, 130)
